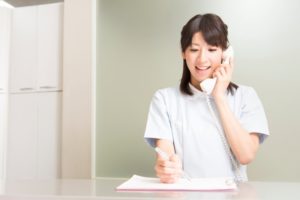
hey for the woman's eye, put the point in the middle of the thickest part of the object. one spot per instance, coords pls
(193, 50)
(212, 49)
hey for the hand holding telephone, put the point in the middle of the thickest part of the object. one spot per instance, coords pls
(208, 84)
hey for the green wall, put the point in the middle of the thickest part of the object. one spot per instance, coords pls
(138, 52)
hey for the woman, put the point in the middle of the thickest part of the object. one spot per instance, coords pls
(180, 122)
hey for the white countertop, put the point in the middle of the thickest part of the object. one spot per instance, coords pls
(104, 188)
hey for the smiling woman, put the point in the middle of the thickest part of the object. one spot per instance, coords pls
(196, 146)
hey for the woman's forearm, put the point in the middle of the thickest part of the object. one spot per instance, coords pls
(244, 145)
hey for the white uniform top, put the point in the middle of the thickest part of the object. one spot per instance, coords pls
(187, 122)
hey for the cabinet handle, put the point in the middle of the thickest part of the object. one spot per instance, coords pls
(26, 89)
(47, 87)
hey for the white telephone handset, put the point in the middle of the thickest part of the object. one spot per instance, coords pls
(208, 84)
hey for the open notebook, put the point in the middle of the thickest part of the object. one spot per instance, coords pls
(140, 183)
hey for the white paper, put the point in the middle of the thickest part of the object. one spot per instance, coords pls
(140, 183)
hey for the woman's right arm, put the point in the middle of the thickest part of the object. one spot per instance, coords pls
(167, 170)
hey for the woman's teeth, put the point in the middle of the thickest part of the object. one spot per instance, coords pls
(202, 68)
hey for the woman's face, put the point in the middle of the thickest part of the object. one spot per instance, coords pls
(202, 59)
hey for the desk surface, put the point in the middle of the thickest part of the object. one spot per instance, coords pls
(104, 188)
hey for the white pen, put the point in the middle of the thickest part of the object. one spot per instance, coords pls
(165, 156)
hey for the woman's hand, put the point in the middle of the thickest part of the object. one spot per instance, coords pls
(223, 74)
(169, 171)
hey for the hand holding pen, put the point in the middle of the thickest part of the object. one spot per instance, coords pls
(168, 168)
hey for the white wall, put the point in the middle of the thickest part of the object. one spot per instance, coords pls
(138, 52)
(77, 89)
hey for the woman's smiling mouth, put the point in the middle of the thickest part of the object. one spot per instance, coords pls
(203, 68)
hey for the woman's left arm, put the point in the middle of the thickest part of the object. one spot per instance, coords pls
(243, 144)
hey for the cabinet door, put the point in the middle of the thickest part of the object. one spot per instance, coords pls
(5, 15)
(2, 133)
(49, 129)
(22, 136)
(50, 19)
(23, 49)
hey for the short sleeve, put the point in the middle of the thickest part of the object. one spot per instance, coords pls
(158, 123)
(253, 117)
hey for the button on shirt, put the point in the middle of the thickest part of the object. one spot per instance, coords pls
(187, 122)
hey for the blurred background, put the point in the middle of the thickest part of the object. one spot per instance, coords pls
(138, 52)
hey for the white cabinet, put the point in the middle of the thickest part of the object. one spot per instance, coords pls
(36, 48)
(33, 136)
(23, 49)
(49, 129)
(30, 97)
(21, 137)
(50, 20)
(5, 16)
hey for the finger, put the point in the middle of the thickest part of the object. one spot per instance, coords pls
(178, 165)
(228, 69)
(163, 171)
(164, 175)
(222, 71)
(169, 176)
(174, 162)
(217, 74)
(168, 163)
(230, 65)
(166, 170)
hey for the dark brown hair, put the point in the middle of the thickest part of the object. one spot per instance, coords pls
(215, 33)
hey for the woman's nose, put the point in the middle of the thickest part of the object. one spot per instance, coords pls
(202, 57)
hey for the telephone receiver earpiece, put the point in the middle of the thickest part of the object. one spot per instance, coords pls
(208, 85)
